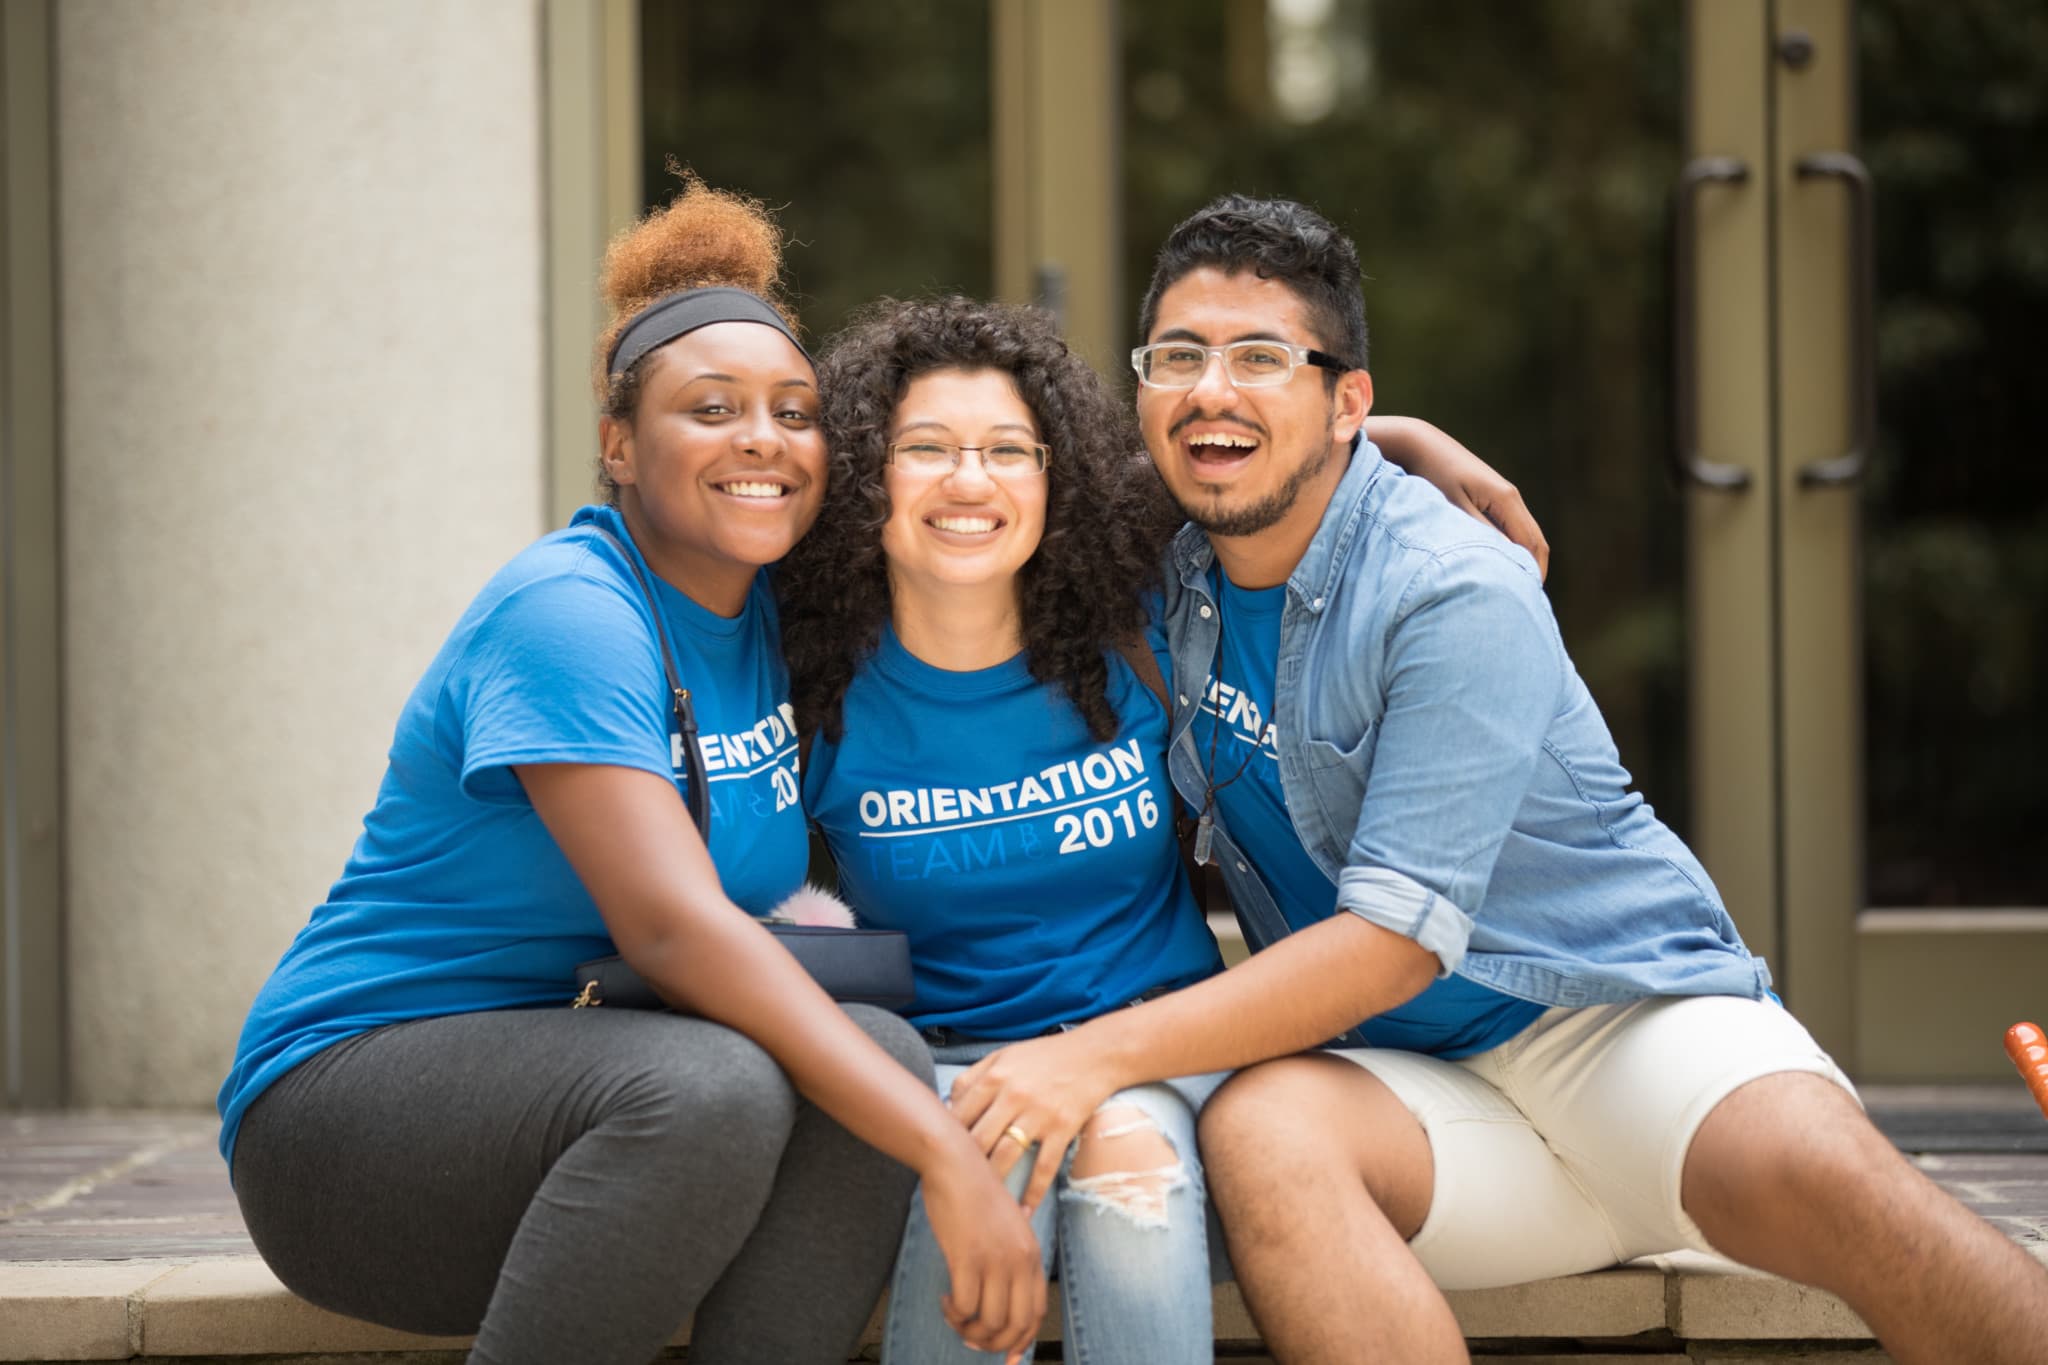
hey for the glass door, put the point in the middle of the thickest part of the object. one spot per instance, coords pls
(1864, 231)
(1952, 102)
(1864, 513)
(1954, 109)
(869, 126)
(1954, 117)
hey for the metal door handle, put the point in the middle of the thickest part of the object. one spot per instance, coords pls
(1685, 457)
(1848, 467)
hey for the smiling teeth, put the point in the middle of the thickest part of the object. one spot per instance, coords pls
(754, 490)
(1218, 438)
(965, 525)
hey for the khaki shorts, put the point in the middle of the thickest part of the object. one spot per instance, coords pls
(1562, 1149)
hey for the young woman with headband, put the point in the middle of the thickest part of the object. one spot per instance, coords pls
(421, 1132)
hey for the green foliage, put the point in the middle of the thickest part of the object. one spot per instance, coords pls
(1954, 115)
(867, 123)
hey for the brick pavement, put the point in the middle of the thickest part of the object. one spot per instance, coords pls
(115, 1187)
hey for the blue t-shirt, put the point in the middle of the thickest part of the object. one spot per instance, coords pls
(1452, 1017)
(456, 898)
(1034, 869)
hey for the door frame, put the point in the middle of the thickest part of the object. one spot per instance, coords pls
(1057, 174)
(33, 1023)
(590, 52)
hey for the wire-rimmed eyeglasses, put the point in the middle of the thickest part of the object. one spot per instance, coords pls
(1002, 459)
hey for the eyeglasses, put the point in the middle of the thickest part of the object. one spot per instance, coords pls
(1003, 460)
(1249, 364)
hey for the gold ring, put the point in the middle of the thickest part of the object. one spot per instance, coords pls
(1017, 1135)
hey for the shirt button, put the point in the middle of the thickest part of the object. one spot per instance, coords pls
(1183, 700)
(1241, 867)
(1319, 604)
(1205, 613)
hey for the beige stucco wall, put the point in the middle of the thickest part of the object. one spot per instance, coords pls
(301, 293)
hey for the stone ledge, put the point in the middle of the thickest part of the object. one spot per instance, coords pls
(1715, 1299)
(236, 1307)
(72, 1312)
(1624, 1302)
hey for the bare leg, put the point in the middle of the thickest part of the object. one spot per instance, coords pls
(1322, 1175)
(1787, 1175)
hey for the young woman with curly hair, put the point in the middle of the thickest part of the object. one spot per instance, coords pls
(963, 630)
(420, 1131)
(988, 770)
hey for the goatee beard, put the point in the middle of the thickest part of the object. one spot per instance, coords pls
(1267, 511)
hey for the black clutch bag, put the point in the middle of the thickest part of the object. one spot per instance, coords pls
(855, 966)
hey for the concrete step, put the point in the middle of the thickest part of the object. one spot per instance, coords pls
(233, 1307)
(119, 1241)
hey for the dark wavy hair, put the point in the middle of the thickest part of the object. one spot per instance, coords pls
(1276, 239)
(1107, 518)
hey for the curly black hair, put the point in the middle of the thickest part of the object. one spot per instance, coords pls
(1107, 518)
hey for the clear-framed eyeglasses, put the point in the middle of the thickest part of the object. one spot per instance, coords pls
(1003, 459)
(1249, 364)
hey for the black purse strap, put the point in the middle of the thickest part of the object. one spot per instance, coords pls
(1137, 652)
(697, 800)
(1206, 882)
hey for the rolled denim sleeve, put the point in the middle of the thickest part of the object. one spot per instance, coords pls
(1472, 675)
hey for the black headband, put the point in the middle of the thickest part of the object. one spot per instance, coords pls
(666, 319)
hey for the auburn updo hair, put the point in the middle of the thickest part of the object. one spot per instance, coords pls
(701, 239)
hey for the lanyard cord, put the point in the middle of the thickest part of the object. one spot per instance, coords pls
(1207, 819)
(697, 800)
(1209, 768)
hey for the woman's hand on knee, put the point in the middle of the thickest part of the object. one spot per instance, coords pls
(998, 1279)
(1038, 1093)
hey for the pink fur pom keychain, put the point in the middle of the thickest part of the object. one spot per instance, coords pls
(815, 906)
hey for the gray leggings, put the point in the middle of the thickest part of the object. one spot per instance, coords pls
(571, 1185)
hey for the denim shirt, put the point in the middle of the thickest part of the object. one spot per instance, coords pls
(1445, 766)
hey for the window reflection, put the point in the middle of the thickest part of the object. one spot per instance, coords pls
(867, 124)
(1954, 110)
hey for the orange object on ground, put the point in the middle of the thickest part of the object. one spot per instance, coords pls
(2028, 1048)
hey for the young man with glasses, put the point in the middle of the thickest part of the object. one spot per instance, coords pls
(1555, 1052)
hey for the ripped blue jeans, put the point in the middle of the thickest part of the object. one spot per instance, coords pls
(1130, 1247)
